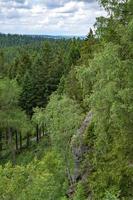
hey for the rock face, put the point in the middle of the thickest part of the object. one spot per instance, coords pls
(78, 149)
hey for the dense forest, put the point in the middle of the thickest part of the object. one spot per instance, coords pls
(8, 40)
(66, 112)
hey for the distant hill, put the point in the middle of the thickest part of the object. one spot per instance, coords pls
(7, 40)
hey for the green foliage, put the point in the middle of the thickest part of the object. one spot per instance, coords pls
(112, 105)
(10, 114)
(39, 117)
(80, 193)
(9, 92)
(110, 196)
(8, 40)
(74, 55)
(38, 180)
(74, 92)
(40, 74)
(102, 83)
(12, 118)
(62, 118)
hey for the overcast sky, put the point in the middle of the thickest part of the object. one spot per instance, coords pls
(54, 17)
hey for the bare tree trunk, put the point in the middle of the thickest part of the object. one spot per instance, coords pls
(6, 135)
(0, 140)
(40, 133)
(11, 146)
(37, 133)
(28, 140)
(16, 135)
(20, 140)
(43, 132)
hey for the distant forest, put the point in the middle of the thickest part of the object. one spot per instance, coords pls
(7, 40)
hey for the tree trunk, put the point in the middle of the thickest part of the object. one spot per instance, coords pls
(40, 133)
(37, 133)
(6, 136)
(0, 140)
(16, 135)
(11, 146)
(28, 140)
(20, 140)
(43, 131)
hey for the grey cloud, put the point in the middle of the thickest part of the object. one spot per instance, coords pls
(13, 15)
(51, 4)
(17, 4)
(48, 16)
(72, 10)
(12, 1)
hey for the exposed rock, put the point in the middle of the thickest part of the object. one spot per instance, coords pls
(78, 149)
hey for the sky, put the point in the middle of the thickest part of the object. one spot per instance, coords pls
(52, 17)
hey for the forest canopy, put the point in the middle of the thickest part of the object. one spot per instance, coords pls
(66, 112)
